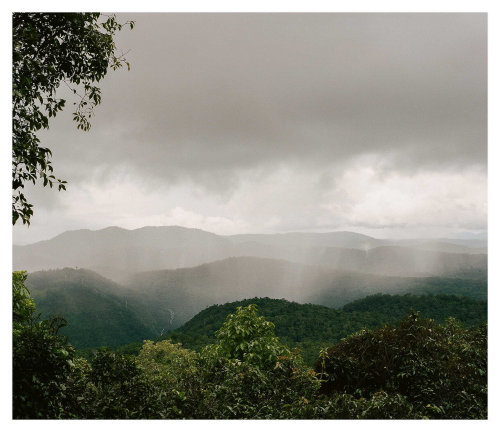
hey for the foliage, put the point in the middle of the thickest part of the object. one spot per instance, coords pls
(248, 373)
(346, 406)
(174, 372)
(233, 389)
(440, 370)
(50, 49)
(77, 403)
(110, 386)
(166, 362)
(247, 337)
(41, 359)
(118, 389)
(418, 369)
(23, 306)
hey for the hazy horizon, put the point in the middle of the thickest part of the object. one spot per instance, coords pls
(273, 123)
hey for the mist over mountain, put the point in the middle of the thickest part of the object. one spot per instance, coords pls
(101, 312)
(174, 296)
(119, 253)
(399, 261)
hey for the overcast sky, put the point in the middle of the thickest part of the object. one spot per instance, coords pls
(234, 123)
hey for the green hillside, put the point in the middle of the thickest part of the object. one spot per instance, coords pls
(95, 309)
(349, 287)
(310, 327)
(438, 307)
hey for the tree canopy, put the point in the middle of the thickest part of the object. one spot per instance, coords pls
(441, 370)
(415, 369)
(311, 327)
(51, 49)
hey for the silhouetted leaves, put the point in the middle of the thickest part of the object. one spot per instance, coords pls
(50, 49)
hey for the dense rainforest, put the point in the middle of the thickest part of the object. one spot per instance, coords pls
(312, 327)
(411, 367)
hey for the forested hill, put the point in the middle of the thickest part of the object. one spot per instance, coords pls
(311, 327)
(438, 307)
(94, 307)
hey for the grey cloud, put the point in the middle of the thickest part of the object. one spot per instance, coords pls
(212, 92)
(213, 96)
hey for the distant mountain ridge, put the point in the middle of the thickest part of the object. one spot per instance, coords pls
(345, 239)
(118, 253)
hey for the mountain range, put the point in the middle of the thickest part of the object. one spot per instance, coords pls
(118, 253)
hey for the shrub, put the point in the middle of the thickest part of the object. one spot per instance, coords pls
(174, 373)
(41, 358)
(117, 389)
(249, 373)
(440, 370)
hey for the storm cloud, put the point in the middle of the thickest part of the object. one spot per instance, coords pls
(280, 122)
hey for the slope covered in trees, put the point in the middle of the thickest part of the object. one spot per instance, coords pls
(438, 307)
(97, 312)
(310, 327)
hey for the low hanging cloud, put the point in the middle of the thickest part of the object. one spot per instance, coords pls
(289, 198)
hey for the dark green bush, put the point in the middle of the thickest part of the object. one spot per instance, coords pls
(440, 370)
(250, 374)
(348, 407)
(118, 390)
(175, 374)
(41, 359)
